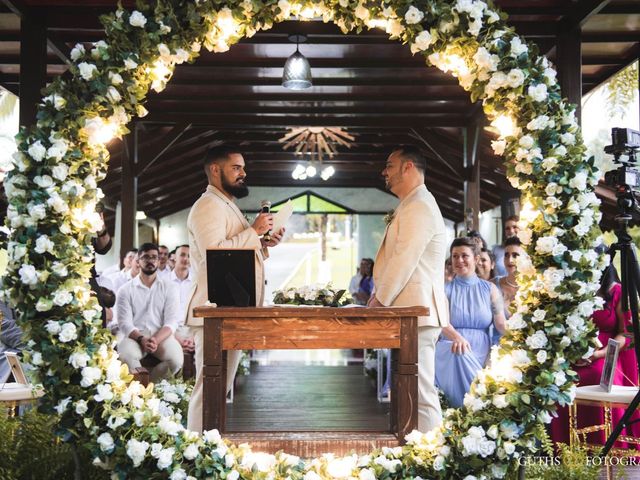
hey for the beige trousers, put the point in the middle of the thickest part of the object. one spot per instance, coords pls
(194, 417)
(169, 353)
(429, 412)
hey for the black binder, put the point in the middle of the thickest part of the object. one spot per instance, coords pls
(231, 277)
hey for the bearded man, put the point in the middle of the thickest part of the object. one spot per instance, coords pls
(215, 221)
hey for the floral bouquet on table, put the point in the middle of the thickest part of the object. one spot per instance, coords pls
(325, 296)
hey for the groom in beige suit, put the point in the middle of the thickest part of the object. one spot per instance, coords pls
(409, 267)
(216, 222)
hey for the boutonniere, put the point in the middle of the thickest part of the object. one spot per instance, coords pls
(388, 218)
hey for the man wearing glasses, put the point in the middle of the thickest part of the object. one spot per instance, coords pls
(148, 315)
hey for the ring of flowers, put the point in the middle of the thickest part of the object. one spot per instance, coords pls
(53, 191)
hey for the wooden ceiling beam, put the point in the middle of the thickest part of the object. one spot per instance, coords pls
(200, 78)
(580, 14)
(434, 120)
(159, 148)
(293, 97)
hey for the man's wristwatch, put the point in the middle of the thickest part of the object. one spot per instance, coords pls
(139, 339)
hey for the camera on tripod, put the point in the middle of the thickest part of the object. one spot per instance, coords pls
(626, 178)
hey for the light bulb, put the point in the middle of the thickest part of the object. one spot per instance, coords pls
(505, 125)
(311, 171)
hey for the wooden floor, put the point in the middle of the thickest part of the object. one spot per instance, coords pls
(298, 398)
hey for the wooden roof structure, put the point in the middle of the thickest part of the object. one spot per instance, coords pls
(365, 83)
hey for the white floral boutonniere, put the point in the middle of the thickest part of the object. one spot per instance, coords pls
(388, 218)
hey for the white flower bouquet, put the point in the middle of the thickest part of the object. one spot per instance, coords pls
(325, 296)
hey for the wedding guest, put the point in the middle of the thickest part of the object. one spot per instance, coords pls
(354, 284)
(365, 286)
(172, 259)
(215, 221)
(409, 267)
(181, 278)
(486, 264)
(510, 230)
(163, 258)
(611, 322)
(476, 305)
(448, 271)
(476, 237)
(10, 339)
(507, 284)
(130, 270)
(147, 314)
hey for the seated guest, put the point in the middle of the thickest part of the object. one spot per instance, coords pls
(10, 339)
(147, 313)
(475, 305)
(486, 264)
(180, 276)
(129, 271)
(163, 262)
(172, 259)
(611, 322)
(354, 284)
(365, 287)
(510, 230)
(507, 284)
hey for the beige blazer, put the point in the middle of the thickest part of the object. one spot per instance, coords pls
(216, 222)
(409, 265)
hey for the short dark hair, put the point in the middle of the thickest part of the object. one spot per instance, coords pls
(219, 154)
(163, 246)
(147, 247)
(511, 241)
(465, 242)
(474, 234)
(413, 154)
(492, 257)
(512, 218)
(133, 250)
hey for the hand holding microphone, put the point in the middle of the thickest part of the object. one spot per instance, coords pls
(266, 208)
(264, 221)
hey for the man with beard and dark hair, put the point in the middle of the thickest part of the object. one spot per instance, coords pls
(409, 267)
(148, 316)
(215, 221)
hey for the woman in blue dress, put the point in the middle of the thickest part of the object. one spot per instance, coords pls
(475, 305)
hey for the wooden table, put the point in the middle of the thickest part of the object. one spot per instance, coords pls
(266, 328)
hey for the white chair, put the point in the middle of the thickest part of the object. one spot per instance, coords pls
(19, 392)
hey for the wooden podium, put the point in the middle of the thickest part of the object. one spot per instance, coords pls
(265, 328)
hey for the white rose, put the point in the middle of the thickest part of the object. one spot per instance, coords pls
(60, 172)
(37, 151)
(537, 340)
(77, 52)
(539, 315)
(137, 19)
(539, 123)
(486, 60)
(517, 47)
(87, 70)
(44, 244)
(79, 359)
(545, 244)
(81, 407)
(130, 64)
(191, 452)
(115, 78)
(362, 12)
(515, 77)
(53, 327)
(568, 138)
(28, 274)
(526, 141)
(234, 475)
(90, 375)
(69, 332)
(579, 180)
(136, 451)
(422, 41)
(113, 95)
(560, 378)
(44, 304)
(541, 356)
(413, 16)
(43, 181)
(62, 297)
(498, 146)
(394, 27)
(500, 401)
(538, 92)
(104, 395)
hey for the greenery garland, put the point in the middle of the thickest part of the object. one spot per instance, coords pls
(53, 191)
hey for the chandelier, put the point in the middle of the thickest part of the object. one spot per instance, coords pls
(316, 143)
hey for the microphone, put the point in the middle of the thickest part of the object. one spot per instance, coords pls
(265, 207)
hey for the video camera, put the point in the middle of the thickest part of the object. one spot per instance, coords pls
(626, 178)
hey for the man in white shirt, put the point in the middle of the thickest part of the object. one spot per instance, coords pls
(180, 276)
(147, 312)
(163, 257)
(130, 270)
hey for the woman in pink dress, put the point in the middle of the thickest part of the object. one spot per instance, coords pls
(611, 322)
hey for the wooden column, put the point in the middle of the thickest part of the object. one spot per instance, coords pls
(569, 64)
(33, 64)
(129, 196)
(471, 136)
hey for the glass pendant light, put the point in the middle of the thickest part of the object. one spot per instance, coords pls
(297, 71)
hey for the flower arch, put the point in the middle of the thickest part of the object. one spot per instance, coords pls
(53, 191)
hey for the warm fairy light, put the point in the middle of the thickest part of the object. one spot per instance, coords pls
(501, 367)
(377, 23)
(160, 74)
(505, 125)
(311, 171)
(299, 170)
(99, 131)
(227, 25)
(327, 172)
(456, 64)
(308, 13)
(528, 214)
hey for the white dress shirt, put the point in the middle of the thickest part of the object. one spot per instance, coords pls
(166, 273)
(184, 292)
(147, 309)
(119, 278)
